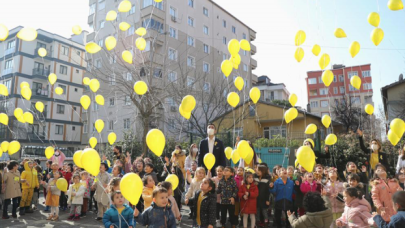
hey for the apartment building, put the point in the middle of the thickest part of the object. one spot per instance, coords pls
(270, 91)
(186, 42)
(321, 99)
(60, 123)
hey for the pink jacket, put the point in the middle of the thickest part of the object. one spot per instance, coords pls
(307, 187)
(333, 189)
(58, 159)
(382, 196)
(356, 214)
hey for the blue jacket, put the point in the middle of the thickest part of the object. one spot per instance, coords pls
(111, 217)
(157, 217)
(397, 221)
(283, 191)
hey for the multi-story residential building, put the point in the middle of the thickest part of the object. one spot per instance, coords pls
(186, 42)
(321, 98)
(393, 96)
(60, 123)
(271, 91)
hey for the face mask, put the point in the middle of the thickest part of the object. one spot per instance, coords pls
(195, 150)
(374, 147)
(210, 132)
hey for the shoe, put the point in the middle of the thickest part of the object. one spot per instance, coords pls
(29, 210)
(76, 218)
(218, 224)
(55, 218)
(22, 211)
(49, 217)
(71, 217)
(99, 218)
(6, 217)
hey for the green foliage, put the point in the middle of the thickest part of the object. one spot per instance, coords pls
(276, 142)
(284, 103)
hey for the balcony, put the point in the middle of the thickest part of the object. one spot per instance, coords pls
(48, 53)
(40, 72)
(90, 37)
(40, 92)
(252, 35)
(253, 49)
(253, 63)
(90, 19)
(254, 79)
(9, 51)
(32, 135)
(147, 11)
(7, 71)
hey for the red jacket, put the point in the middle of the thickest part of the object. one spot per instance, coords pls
(248, 206)
(306, 187)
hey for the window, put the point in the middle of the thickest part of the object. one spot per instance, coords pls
(65, 50)
(157, 73)
(244, 36)
(9, 64)
(341, 78)
(113, 59)
(128, 76)
(173, 33)
(190, 41)
(206, 106)
(101, 43)
(73, 128)
(94, 127)
(127, 123)
(111, 79)
(191, 21)
(63, 87)
(190, 82)
(311, 81)
(351, 88)
(127, 100)
(342, 89)
(274, 132)
(8, 85)
(147, 47)
(313, 92)
(173, 12)
(324, 104)
(334, 78)
(351, 73)
(170, 124)
(323, 91)
(102, 23)
(172, 54)
(206, 48)
(58, 129)
(112, 101)
(206, 67)
(98, 63)
(314, 104)
(191, 3)
(77, 71)
(95, 106)
(224, 57)
(132, 10)
(131, 31)
(207, 87)
(245, 67)
(366, 73)
(190, 61)
(170, 101)
(153, 24)
(244, 52)
(172, 76)
(224, 23)
(147, 3)
(320, 80)
(355, 100)
(11, 44)
(110, 125)
(101, 4)
(205, 30)
(367, 86)
(335, 90)
(85, 127)
(224, 40)
(205, 11)
(92, 9)
(234, 29)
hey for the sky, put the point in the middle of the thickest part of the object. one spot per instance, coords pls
(276, 23)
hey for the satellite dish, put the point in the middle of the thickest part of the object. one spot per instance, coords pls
(401, 77)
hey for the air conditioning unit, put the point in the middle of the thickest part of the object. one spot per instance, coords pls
(174, 18)
(173, 108)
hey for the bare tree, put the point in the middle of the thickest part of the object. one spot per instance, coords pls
(349, 113)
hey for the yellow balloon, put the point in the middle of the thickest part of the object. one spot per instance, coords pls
(24, 85)
(59, 90)
(77, 158)
(140, 31)
(393, 138)
(355, 81)
(94, 85)
(108, 163)
(299, 54)
(111, 138)
(233, 99)
(188, 103)
(140, 87)
(18, 112)
(311, 129)
(290, 115)
(100, 99)
(300, 38)
(326, 120)
(369, 109)
(3, 32)
(354, 48)
(306, 158)
(374, 19)
(324, 61)
(228, 152)
(259, 160)
(4, 146)
(52, 78)
(85, 101)
(13, 147)
(127, 56)
(158, 1)
(140, 43)
(21, 119)
(1, 153)
(124, 6)
(239, 83)
(249, 157)
(49, 151)
(4, 118)
(156, 141)
(398, 127)
(28, 117)
(331, 139)
(99, 125)
(42, 52)
(327, 77)
(254, 94)
(244, 45)
(131, 187)
(233, 46)
(110, 43)
(3, 90)
(209, 161)
(86, 81)
(243, 148)
(395, 5)
(93, 142)
(77, 30)
(111, 15)
(377, 36)
(316, 49)
(235, 156)
(184, 114)
(340, 33)
(91, 161)
(27, 34)
(226, 67)
(92, 48)
(174, 180)
(62, 184)
(124, 26)
(293, 99)
(26, 93)
(235, 59)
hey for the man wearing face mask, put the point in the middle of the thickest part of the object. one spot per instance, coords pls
(118, 155)
(376, 155)
(214, 146)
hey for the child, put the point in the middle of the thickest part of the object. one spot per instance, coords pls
(31, 182)
(52, 198)
(382, 191)
(216, 179)
(67, 174)
(353, 181)
(117, 171)
(239, 180)
(309, 184)
(75, 194)
(159, 214)
(114, 186)
(99, 185)
(229, 191)
(149, 172)
(35, 198)
(148, 188)
(401, 177)
(357, 210)
(248, 193)
(352, 168)
(86, 182)
(172, 202)
(283, 189)
(398, 220)
(11, 185)
(319, 174)
(205, 204)
(119, 214)
(290, 173)
(262, 180)
(195, 185)
(334, 190)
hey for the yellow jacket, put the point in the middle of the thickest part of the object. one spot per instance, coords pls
(31, 176)
(147, 195)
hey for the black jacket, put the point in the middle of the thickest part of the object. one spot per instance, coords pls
(319, 155)
(207, 210)
(219, 153)
(264, 191)
(382, 157)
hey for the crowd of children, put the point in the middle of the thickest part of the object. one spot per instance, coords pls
(291, 197)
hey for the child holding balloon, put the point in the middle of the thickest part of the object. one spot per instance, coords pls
(75, 194)
(52, 198)
(119, 214)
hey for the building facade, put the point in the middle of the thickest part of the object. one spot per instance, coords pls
(60, 123)
(393, 96)
(321, 99)
(271, 91)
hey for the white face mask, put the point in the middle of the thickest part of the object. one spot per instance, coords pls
(195, 150)
(210, 132)
(374, 147)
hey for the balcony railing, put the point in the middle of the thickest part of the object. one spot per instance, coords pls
(32, 135)
(9, 51)
(7, 71)
(40, 72)
(41, 92)
(48, 52)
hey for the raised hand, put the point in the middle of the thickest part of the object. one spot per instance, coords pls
(271, 185)
(289, 213)
(136, 212)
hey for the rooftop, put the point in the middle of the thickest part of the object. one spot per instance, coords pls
(339, 66)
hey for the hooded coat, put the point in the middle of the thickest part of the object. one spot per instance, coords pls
(356, 213)
(126, 219)
(381, 194)
(248, 206)
(179, 159)
(31, 176)
(320, 219)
